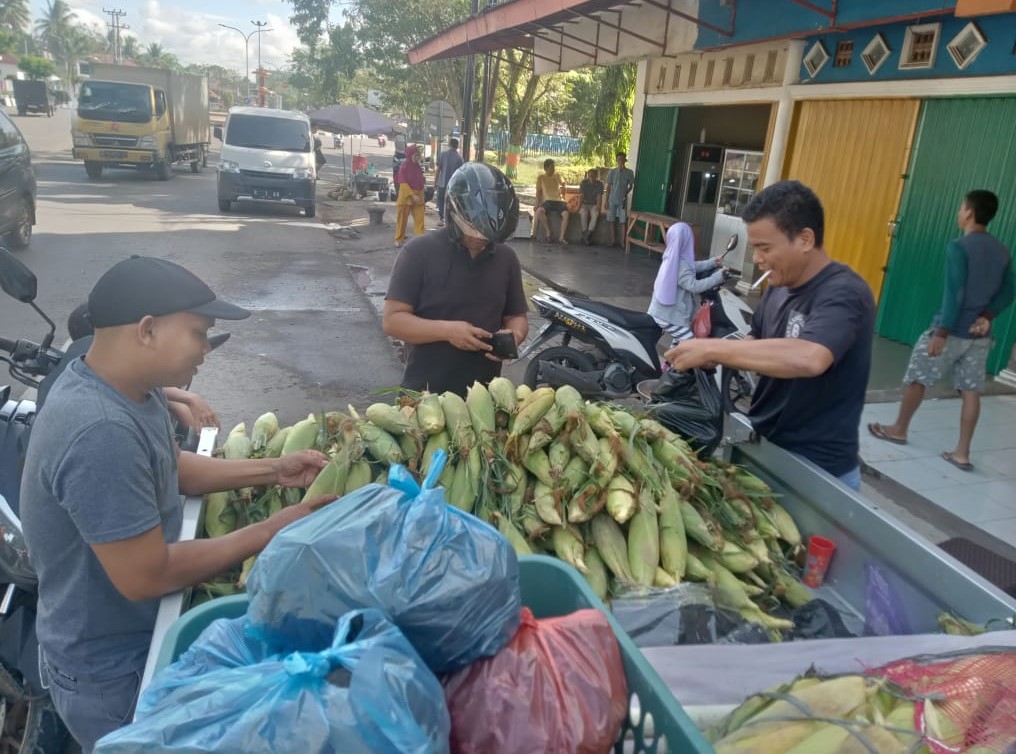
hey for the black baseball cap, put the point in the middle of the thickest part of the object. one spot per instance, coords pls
(145, 286)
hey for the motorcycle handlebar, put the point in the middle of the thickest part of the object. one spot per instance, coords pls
(8, 345)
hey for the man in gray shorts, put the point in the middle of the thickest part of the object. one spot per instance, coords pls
(978, 287)
(620, 182)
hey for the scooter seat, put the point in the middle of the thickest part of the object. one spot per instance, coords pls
(626, 318)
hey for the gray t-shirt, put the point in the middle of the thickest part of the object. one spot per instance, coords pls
(100, 468)
(447, 163)
(619, 183)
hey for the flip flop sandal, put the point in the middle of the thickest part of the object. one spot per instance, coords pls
(961, 465)
(878, 431)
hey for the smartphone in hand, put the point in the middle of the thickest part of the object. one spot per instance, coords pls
(504, 345)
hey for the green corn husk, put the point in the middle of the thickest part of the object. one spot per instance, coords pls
(783, 521)
(521, 447)
(790, 590)
(460, 493)
(522, 393)
(381, 444)
(584, 441)
(599, 420)
(474, 465)
(390, 419)
(509, 531)
(569, 547)
(697, 528)
(539, 466)
(570, 401)
(612, 546)
(752, 484)
(532, 410)
(559, 454)
(586, 503)
(481, 410)
(275, 445)
(360, 474)
(596, 573)
(447, 475)
(534, 526)
(430, 414)
(517, 498)
(621, 499)
(331, 480)
(546, 504)
(458, 423)
(503, 394)
(673, 540)
(676, 463)
(220, 514)
(605, 466)
(302, 436)
(237, 446)
(437, 442)
(696, 570)
(735, 559)
(547, 429)
(265, 428)
(664, 580)
(644, 540)
(636, 460)
(410, 446)
(624, 422)
(763, 523)
(574, 476)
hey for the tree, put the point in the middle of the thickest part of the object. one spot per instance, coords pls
(15, 14)
(36, 68)
(156, 56)
(129, 47)
(611, 128)
(54, 28)
(327, 70)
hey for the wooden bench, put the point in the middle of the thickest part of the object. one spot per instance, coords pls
(653, 231)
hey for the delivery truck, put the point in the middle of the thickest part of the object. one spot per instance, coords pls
(33, 97)
(151, 118)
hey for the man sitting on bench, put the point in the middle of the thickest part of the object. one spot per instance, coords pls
(550, 198)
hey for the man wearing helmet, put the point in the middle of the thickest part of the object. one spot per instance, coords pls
(454, 287)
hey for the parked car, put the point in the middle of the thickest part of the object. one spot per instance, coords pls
(17, 186)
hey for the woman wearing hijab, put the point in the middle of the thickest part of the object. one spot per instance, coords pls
(411, 197)
(674, 292)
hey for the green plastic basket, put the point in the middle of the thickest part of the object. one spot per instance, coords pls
(656, 723)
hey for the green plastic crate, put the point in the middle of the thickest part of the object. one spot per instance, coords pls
(656, 723)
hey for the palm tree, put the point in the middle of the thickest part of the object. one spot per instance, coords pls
(77, 45)
(156, 55)
(54, 28)
(128, 47)
(15, 14)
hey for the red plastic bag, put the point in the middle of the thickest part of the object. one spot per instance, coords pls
(558, 687)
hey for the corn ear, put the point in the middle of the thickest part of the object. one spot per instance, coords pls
(752, 484)
(586, 503)
(569, 547)
(532, 410)
(460, 493)
(437, 442)
(522, 392)
(447, 475)
(302, 436)
(673, 540)
(574, 476)
(510, 532)
(548, 428)
(636, 460)
(430, 414)
(605, 465)
(621, 499)
(696, 570)
(570, 401)
(596, 573)
(481, 410)
(390, 419)
(698, 528)
(517, 497)
(546, 504)
(503, 394)
(677, 464)
(736, 560)
(611, 544)
(539, 466)
(237, 446)
(664, 580)
(644, 540)
(584, 441)
(331, 480)
(789, 532)
(456, 415)
(474, 466)
(791, 591)
(381, 445)
(828, 737)
(265, 428)
(360, 475)
(559, 455)
(599, 420)
(275, 445)
(624, 422)
(220, 514)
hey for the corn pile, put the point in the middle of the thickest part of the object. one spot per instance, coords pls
(619, 497)
(849, 714)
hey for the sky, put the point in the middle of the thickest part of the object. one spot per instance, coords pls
(189, 28)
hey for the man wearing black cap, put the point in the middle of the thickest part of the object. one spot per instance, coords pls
(102, 484)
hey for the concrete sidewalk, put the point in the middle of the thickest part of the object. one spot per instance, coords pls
(911, 481)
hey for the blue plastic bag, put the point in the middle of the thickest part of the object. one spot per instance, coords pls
(449, 581)
(368, 692)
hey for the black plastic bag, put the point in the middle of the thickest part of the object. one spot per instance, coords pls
(818, 620)
(689, 403)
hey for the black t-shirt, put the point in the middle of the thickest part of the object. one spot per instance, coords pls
(442, 281)
(818, 417)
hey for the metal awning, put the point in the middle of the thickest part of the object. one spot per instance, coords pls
(564, 34)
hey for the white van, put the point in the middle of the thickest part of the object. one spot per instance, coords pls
(267, 156)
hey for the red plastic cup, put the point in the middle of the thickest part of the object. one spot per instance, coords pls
(820, 551)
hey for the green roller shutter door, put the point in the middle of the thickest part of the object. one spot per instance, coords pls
(656, 155)
(961, 144)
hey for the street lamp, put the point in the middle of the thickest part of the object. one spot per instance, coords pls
(246, 48)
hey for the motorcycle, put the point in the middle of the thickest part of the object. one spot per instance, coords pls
(620, 355)
(28, 719)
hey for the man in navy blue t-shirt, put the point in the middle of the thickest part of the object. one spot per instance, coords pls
(811, 336)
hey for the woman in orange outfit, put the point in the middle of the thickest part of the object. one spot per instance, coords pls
(411, 197)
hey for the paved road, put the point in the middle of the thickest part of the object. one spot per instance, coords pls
(313, 339)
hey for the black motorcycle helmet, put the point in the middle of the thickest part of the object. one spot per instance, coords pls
(482, 197)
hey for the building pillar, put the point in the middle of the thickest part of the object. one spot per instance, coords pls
(777, 147)
(638, 110)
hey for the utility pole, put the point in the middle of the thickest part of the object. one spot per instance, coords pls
(261, 74)
(116, 27)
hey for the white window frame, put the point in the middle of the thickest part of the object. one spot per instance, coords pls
(970, 29)
(877, 42)
(908, 43)
(816, 59)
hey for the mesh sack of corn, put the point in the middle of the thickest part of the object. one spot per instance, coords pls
(964, 701)
(849, 714)
(449, 581)
(364, 691)
(559, 686)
